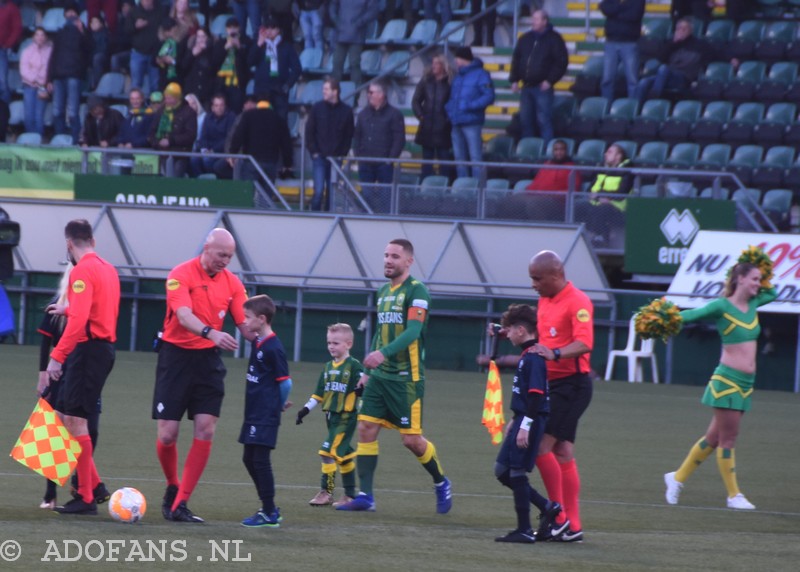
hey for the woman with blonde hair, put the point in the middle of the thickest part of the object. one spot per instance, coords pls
(430, 96)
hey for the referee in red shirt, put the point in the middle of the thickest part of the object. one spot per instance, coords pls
(86, 348)
(190, 375)
(566, 335)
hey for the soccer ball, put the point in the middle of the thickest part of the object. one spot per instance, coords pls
(127, 505)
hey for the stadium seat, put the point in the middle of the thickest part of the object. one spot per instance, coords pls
(311, 58)
(744, 84)
(347, 89)
(656, 33)
(587, 80)
(739, 130)
(423, 34)
(652, 154)
(679, 190)
(630, 148)
(326, 65)
(770, 131)
(61, 140)
(498, 149)
(748, 198)
(217, 27)
(520, 186)
(111, 85)
(709, 127)
(393, 30)
(371, 62)
(648, 191)
(745, 159)
(466, 186)
(778, 36)
(398, 62)
(712, 81)
(775, 87)
(645, 126)
(53, 20)
(454, 38)
(793, 173)
(14, 55)
(434, 185)
(28, 14)
(496, 186)
(584, 124)
(634, 357)
(590, 152)
(312, 92)
(748, 35)
(29, 139)
(777, 204)
(708, 193)
(720, 32)
(683, 156)
(677, 126)
(528, 150)
(16, 110)
(771, 172)
(714, 157)
(616, 123)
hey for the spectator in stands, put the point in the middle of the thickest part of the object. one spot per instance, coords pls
(102, 126)
(394, 6)
(540, 59)
(484, 24)
(248, 139)
(216, 127)
(156, 101)
(167, 58)
(229, 61)
(547, 180)
(33, 63)
(200, 111)
(99, 57)
(186, 22)
(311, 22)
(623, 27)
(277, 66)
(119, 45)
(174, 128)
(109, 8)
(329, 133)
(380, 132)
(5, 116)
(143, 26)
(602, 213)
(281, 12)
(445, 10)
(136, 126)
(471, 93)
(352, 18)
(196, 66)
(434, 131)
(223, 169)
(10, 34)
(245, 10)
(69, 61)
(685, 58)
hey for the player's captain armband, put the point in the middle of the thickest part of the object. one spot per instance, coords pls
(583, 315)
(417, 314)
(420, 303)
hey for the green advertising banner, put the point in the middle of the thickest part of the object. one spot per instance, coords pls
(164, 191)
(658, 232)
(48, 172)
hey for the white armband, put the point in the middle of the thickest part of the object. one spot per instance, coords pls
(526, 423)
(312, 403)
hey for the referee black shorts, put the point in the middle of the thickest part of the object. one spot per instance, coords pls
(569, 398)
(86, 371)
(188, 381)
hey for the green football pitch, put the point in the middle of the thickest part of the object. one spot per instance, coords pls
(629, 437)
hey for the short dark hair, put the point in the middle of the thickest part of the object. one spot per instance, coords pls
(405, 244)
(520, 315)
(261, 305)
(221, 96)
(333, 82)
(78, 230)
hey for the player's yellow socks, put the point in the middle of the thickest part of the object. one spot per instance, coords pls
(328, 477)
(698, 453)
(367, 462)
(430, 461)
(726, 461)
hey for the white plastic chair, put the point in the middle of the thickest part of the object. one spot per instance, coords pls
(634, 357)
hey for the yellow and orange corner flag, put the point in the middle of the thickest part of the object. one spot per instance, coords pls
(45, 446)
(493, 417)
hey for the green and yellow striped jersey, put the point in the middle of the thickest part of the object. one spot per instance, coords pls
(396, 305)
(337, 384)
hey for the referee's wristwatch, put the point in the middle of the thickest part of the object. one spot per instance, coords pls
(205, 332)
(556, 354)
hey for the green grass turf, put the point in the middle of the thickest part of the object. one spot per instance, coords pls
(629, 437)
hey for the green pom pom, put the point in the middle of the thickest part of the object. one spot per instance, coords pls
(658, 319)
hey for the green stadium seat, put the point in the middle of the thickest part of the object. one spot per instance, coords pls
(678, 125)
(587, 80)
(683, 156)
(712, 81)
(393, 30)
(720, 31)
(770, 131)
(709, 127)
(747, 37)
(529, 150)
(744, 84)
(778, 36)
(714, 157)
(584, 123)
(775, 87)
(645, 126)
(590, 152)
(618, 120)
(708, 193)
(652, 154)
(739, 130)
(745, 159)
(498, 149)
(777, 204)
(771, 172)
(630, 148)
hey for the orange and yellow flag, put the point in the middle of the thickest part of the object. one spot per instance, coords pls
(493, 417)
(45, 446)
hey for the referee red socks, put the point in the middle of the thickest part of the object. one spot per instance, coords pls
(195, 464)
(551, 476)
(571, 484)
(168, 457)
(87, 473)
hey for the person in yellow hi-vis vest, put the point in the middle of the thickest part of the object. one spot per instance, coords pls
(602, 213)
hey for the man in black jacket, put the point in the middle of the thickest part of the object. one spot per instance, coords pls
(143, 26)
(67, 70)
(329, 133)
(540, 59)
(102, 126)
(229, 61)
(623, 27)
(248, 139)
(174, 128)
(380, 132)
(277, 66)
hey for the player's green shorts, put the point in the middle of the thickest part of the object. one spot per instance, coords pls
(729, 389)
(341, 427)
(393, 404)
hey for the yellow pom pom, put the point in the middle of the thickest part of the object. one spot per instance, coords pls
(658, 319)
